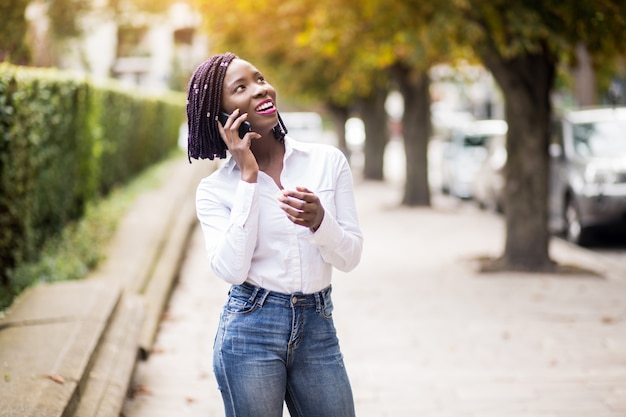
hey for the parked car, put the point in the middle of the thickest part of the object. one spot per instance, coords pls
(489, 182)
(588, 172)
(306, 127)
(464, 153)
(444, 122)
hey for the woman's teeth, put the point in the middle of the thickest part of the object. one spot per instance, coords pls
(265, 106)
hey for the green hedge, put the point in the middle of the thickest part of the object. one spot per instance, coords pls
(66, 141)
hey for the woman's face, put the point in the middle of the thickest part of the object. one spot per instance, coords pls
(245, 89)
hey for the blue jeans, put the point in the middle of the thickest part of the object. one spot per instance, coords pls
(272, 347)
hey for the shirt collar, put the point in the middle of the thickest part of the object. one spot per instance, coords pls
(291, 146)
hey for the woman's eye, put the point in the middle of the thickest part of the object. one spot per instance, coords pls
(239, 88)
(261, 79)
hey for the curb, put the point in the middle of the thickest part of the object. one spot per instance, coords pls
(69, 349)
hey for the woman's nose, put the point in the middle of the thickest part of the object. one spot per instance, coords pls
(260, 91)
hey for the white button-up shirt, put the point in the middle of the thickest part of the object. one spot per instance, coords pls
(249, 238)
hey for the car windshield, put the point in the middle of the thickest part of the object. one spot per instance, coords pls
(600, 138)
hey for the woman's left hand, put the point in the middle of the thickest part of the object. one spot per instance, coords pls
(302, 207)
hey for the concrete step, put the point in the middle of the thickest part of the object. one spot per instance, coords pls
(114, 364)
(48, 341)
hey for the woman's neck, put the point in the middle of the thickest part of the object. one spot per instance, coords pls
(268, 151)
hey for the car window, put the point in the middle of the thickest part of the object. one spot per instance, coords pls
(599, 138)
(474, 140)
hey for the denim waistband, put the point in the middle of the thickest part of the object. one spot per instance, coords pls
(260, 296)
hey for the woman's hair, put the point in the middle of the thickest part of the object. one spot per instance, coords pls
(204, 98)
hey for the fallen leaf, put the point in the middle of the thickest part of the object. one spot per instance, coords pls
(56, 378)
(140, 389)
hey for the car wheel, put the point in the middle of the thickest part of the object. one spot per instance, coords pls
(574, 230)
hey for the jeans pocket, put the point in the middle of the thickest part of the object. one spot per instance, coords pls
(238, 305)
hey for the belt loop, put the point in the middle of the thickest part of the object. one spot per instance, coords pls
(263, 296)
(252, 298)
(326, 300)
(318, 302)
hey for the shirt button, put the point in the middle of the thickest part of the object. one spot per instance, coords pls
(294, 300)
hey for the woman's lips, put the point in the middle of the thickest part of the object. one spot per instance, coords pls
(266, 107)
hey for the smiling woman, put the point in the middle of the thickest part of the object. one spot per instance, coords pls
(277, 217)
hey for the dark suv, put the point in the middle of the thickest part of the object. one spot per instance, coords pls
(588, 171)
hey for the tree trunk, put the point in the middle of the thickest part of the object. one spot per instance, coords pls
(526, 82)
(584, 78)
(14, 32)
(340, 115)
(374, 118)
(416, 129)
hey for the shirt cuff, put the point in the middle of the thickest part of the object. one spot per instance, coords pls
(329, 234)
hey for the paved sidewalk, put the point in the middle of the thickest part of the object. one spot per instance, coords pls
(423, 333)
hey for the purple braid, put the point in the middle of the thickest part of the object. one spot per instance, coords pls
(204, 96)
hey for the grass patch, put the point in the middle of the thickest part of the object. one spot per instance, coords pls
(82, 244)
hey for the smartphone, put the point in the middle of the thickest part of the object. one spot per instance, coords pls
(244, 128)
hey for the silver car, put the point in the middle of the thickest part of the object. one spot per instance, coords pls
(464, 153)
(588, 172)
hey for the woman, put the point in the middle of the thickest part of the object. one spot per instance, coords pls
(277, 216)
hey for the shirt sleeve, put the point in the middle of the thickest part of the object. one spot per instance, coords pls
(230, 231)
(339, 238)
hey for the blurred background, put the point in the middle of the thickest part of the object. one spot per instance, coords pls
(471, 100)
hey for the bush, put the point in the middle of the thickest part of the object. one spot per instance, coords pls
(65, 142)
(81, 245)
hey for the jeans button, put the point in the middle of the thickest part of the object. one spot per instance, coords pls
(294, 300)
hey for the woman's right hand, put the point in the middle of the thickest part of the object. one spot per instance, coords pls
(240, 148)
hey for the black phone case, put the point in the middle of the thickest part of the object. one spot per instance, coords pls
(244, 128)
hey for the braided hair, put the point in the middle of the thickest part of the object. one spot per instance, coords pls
(204, 97)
